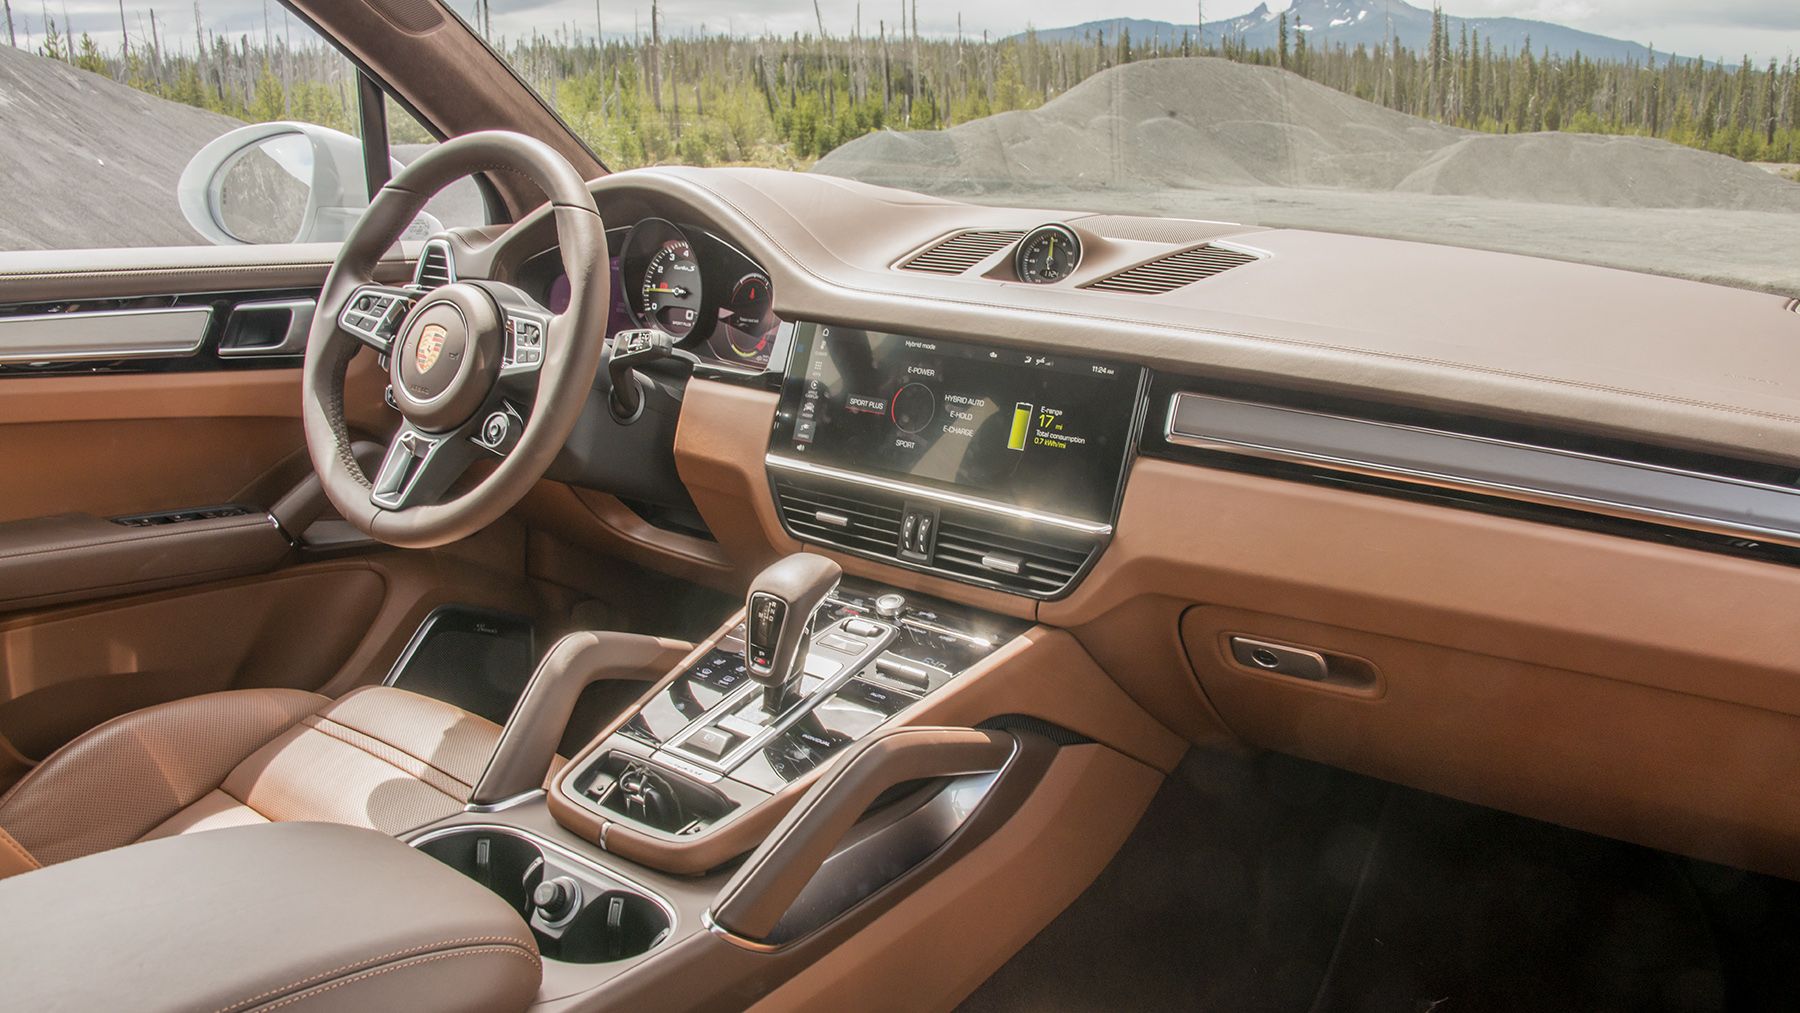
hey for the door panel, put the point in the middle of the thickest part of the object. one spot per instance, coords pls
(109, 469)
(65, 671)
(85, 439)
(124, 444)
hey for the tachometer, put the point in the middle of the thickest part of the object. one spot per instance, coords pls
(662, 275)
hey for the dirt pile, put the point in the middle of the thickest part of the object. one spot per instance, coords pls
(89, 162)
(1210, 123)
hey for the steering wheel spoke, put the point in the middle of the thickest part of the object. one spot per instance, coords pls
(419, 467)
(527, 332)
(373, 314)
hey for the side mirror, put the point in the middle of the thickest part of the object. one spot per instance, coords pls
(281, 182)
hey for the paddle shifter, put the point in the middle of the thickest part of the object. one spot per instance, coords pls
(778, 623)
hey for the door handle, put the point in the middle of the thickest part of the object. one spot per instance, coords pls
(274, 327)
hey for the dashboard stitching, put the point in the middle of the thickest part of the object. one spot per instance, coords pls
(1271, 339)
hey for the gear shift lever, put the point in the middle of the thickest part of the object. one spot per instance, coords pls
(778, 623)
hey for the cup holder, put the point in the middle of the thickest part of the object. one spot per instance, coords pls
(578, 914)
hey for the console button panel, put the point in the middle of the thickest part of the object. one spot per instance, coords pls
(865, 666)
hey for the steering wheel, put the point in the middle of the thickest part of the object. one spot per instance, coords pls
(478, 368)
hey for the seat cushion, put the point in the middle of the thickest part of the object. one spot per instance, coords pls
(380, 758)
(112, 785)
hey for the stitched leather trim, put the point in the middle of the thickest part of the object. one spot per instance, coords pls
(405, 964)
(509, 942)
(393, 756)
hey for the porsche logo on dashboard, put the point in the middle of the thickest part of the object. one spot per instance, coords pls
(431, 345)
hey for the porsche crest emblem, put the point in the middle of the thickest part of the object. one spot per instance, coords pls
(431, 345)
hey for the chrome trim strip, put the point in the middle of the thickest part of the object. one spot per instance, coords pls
(506, 803)
(1545, 476)
(161, 333)
(774, 460)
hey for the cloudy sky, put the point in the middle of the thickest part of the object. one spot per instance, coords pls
(1729, 28)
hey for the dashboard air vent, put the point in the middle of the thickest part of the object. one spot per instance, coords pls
(969, 546)
(962, 251)
(853, 520)
(1172, 272)
(435, 270)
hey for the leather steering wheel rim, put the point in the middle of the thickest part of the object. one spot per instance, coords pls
(446, 354)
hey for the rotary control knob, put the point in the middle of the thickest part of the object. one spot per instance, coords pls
(555, 898)
(496, 429)
(890, 605)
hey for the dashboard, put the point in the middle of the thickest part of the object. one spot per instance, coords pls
(1508, 503)
(684, 280)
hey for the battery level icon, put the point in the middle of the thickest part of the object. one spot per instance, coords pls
(1022, 412)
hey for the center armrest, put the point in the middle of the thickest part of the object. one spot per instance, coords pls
(251, 917)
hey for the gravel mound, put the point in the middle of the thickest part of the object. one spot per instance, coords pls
(1209, 123)
(89, 162)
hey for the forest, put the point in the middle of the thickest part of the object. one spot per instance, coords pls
(707, 98)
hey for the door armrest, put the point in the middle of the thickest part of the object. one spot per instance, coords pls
(48, 560)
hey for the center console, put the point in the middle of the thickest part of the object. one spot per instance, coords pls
(990, 466)
(817, 665)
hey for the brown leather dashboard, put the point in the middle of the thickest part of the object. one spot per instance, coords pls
(1515, 338)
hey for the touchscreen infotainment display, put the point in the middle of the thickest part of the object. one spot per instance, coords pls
(1046, 432)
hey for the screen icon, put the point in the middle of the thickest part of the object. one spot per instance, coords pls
(1021, 425)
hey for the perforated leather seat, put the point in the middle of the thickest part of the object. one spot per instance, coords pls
(379, 757)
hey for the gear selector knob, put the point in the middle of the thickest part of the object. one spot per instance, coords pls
(778, 615)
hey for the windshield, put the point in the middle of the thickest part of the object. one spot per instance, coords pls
(1652, 136)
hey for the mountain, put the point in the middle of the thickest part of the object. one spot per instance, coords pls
(1350, 23)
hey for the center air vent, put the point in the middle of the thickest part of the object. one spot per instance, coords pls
(962, 251)
(1172, 272)
(434, 266)
(854, 521)
(971, 545)
(968, 545)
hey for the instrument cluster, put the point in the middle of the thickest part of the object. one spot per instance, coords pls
(684, 280)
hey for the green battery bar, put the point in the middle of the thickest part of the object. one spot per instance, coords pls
(1021, 425)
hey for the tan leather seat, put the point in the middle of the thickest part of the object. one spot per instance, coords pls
(379, 757)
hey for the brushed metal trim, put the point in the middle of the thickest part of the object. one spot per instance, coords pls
(1544, 476)
(160, 333)
(776, 461)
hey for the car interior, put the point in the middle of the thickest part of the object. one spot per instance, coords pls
(708, 588)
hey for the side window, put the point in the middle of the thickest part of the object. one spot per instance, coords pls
(133, 124)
